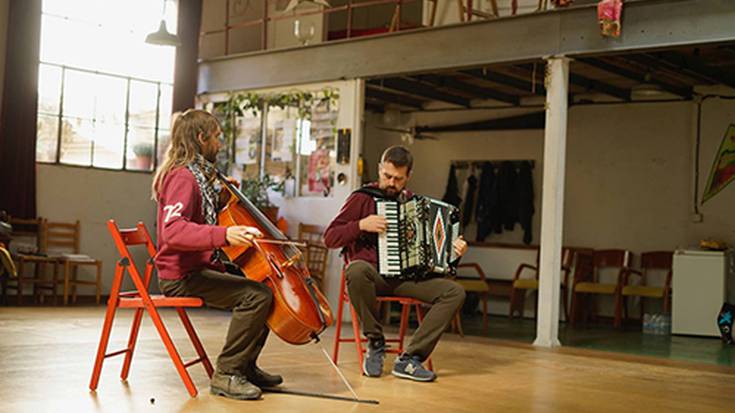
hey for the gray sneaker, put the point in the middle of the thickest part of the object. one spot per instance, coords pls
(234, 387)
(409, 367)
(372, 365)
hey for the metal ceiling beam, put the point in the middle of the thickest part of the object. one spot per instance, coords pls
(684, 92)
(389, 97)
(477, 91)
(657, 64)
(648, 24)
(505, 80)
(696, 65)
(374, 107)
(535, 120)
(415, 88)
(591, 84)
(599, 86)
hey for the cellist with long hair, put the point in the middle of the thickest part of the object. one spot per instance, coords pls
(187, 261)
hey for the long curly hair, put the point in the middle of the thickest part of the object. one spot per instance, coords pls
(185, 144)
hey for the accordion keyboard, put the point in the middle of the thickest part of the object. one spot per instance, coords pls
(389, 257)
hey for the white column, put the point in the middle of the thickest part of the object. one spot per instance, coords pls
(552, 207)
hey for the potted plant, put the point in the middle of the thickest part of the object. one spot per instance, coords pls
(256, 190)
(143, 155)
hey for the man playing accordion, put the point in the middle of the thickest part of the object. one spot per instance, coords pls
(356, 229)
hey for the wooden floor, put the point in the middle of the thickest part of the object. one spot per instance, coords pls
(46, 358)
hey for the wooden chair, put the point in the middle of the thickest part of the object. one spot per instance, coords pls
(650, 261)
(316, 254)
(141, 301)
(523, 284)
(31, 230)
(475, 285)
(61, 239)
(588, 283)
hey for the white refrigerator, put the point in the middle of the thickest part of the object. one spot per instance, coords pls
(700, 284)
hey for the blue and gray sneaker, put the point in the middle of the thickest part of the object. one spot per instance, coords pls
(409, 367)
(372, 365)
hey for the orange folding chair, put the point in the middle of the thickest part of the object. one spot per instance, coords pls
(406, 303)
(142, 301)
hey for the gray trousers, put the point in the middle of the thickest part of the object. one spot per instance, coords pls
(250, 302)
(445, 296)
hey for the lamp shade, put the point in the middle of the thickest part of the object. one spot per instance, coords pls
(163, 37)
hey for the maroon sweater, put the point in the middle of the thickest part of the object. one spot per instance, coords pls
(344, 230)
(185, 241)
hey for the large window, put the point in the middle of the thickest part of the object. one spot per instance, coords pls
(104, 95)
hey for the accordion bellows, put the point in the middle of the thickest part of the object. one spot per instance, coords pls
(419, 238)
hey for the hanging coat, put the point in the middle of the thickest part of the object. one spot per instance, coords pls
(451, 193)
(469, 199)
(525, 200)
(507, 192)
(487, 202)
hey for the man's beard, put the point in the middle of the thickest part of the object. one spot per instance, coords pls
(391, 190)
(211, 157)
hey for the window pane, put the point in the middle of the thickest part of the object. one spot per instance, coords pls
(166, 107)
(164, 137)
(77, 136)
(140, 148)
(49, 89)
(79, 94)
(109, 99)
(108, 145)
(48, 129)
(142, 108)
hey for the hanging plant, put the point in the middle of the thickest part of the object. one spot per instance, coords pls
(238, 104)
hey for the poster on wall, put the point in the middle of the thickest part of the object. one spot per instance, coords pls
(246, 143)
(723, 167)
(319, 173)
(284, 137)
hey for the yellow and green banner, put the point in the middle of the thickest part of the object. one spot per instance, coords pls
(723, 167)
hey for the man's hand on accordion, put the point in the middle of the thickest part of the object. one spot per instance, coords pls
(460, 246)
(373, 223)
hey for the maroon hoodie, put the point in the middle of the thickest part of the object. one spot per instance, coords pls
(344, 230)
(185, 241)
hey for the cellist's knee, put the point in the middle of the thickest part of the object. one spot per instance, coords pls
(257, 295)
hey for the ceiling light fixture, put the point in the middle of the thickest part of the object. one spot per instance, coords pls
(162, 37)
(647, 88)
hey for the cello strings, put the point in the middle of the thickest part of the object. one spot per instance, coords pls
(339, 372)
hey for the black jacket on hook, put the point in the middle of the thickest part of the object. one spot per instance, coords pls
(507, 191)
(451, 193)
(525, 201)
(486, 211)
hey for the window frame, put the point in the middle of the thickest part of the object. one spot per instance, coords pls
(126, 123)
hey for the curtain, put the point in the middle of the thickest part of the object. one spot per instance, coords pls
(20, 100)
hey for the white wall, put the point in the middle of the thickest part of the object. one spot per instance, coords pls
(628, 180)
(94, 196)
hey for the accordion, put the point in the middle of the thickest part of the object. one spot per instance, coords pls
(419, 237)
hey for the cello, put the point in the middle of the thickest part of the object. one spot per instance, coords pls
(300, 312)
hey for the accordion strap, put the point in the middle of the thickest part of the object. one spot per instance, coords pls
(372, 191)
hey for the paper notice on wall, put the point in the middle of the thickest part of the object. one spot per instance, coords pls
(284, 137)
(246, 143)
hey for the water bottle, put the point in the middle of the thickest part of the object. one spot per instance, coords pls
(646, 323)
(657, 324)
(666, 325)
